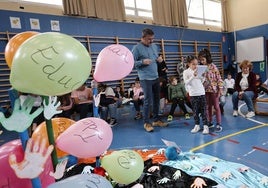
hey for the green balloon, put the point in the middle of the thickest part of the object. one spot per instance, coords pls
(124, 166)
(50, 64)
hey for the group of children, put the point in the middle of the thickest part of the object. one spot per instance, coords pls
(200, 93)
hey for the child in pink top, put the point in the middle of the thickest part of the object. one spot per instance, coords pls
(83, 100)
(138, 98)
(213, 85)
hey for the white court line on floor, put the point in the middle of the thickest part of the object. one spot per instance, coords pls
(241, 114)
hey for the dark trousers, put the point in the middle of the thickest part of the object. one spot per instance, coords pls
(230, 91)
(180, 102)
(199, 106)
(137, 104)
(83, 109)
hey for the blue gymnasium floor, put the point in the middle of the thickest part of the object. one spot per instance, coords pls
(242, 140)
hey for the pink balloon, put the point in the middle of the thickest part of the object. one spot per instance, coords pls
(89, 137)
(8, 177)
(114, 62)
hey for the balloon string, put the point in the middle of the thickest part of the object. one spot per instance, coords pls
(51, 139)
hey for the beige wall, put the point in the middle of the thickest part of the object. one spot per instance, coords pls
(27, 7)
(244, 14)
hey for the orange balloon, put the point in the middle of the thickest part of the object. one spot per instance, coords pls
(14, 43)
(59, 125)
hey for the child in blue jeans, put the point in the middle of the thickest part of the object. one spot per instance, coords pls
(108, 104)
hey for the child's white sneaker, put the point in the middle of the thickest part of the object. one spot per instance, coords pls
(205, 129)
(195, 129)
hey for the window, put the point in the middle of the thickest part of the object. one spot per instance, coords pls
(207, 12)
(50, 2)
(138, 8)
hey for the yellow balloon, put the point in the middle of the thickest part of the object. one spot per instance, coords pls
(50, 64)
(123, 166)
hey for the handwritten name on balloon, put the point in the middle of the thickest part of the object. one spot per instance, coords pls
(118, 51)
(90, 131)
(124, 159)
(52, 69)
(50, 64)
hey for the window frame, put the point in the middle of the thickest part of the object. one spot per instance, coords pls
(205, 21)
(137, 10)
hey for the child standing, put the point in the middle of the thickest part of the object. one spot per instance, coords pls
(177, 95)
(213, 85)
(197, 94)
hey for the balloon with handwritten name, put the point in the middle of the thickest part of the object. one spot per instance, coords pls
(114, 62)
(123, 166)
(14, 43)
(50, 64)
(88, 137)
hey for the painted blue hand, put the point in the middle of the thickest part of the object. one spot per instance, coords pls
(21, 118)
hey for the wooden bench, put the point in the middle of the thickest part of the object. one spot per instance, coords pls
(257, 109)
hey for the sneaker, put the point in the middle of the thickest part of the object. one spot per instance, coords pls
(138, 116)
(210, 125)
(170, 118)
(235, 113)
(113, 122)
(250, 114)
(218, 128)
(160, 123)
(148, 127)
(205, 129)
(187, 116)
(195, 129)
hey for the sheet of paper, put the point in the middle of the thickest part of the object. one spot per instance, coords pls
(201, 69)
(171, 143)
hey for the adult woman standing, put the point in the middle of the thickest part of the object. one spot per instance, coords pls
(213, 85)
(245, 88)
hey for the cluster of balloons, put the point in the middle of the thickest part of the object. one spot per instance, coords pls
(89, 137)
(52, 64)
